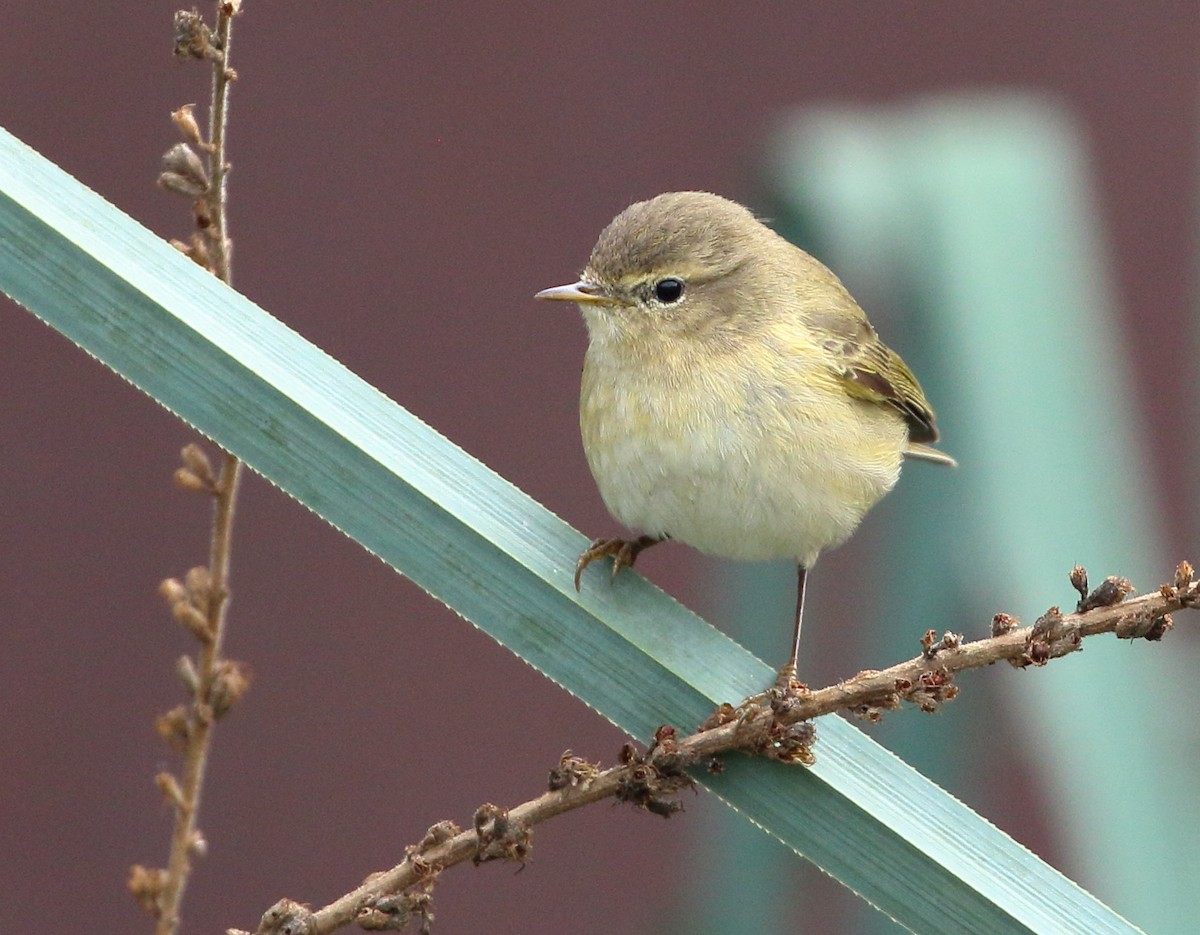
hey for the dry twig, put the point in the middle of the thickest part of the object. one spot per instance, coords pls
(198, 603)
(779, 728)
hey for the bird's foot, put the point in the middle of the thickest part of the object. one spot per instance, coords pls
(785, 688)
(766, 723)
(786, 683)
(624, 553)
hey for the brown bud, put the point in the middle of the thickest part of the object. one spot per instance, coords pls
(439, 833)
(230, 681)
(193, 38)
(724, 714)
(1079, 581)
(168, 785)
(175, 728)
(185, 120)
(1159, 627)
(485, 813)
(368, 918)
(182, 160)
(1115, 589)
(185, 668)
(173, 591)
(186, 480)
(665, 740)
(180, 184)
(1003, 623)
(146, 884)
(195, 459)
(287, 916)
(1184, 575)
(193, 621)
(422, 868)
(198, 581)
(1109, 592)
(572, 771)
(796, 745)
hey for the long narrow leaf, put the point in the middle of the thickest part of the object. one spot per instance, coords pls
(495, 556)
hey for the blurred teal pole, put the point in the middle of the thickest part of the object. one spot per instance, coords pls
(973, 217)
(965, 226)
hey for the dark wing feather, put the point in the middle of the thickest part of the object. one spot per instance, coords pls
(872, 371)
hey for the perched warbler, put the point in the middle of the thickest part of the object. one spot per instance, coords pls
(734, 395)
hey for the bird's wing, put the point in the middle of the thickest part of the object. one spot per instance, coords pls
(872, 371)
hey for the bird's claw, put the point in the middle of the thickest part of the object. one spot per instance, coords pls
(785, 688)
(624, 553)
(786, 682)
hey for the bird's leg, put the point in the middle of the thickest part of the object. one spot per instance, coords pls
(624, 553)
(787, 675)
(785, 682)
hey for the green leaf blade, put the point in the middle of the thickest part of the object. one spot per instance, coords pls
(495, 556)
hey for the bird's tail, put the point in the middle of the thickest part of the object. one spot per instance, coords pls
(921, 452)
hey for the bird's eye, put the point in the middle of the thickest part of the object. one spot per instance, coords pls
(668, 290)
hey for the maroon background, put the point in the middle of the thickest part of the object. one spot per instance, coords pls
(403, 181)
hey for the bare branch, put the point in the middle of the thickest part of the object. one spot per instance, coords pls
(777, 725)
(199, 603)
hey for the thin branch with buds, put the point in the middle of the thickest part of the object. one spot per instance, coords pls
(199, 602)
(777, 725)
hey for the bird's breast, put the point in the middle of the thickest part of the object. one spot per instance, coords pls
(742, 456)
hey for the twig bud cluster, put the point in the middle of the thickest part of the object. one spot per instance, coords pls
(213, 685)
(196, 472)
(191, 602)
(286, 917)
(500, 836)
(146, 885)
(571, 771)
(195, 39)
(653, 778)
(184, 172)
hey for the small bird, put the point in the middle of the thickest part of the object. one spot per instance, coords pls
(734, 396)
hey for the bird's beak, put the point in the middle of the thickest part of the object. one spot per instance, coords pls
(583, 291)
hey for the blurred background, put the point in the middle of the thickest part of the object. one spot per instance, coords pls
(1010, 192)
